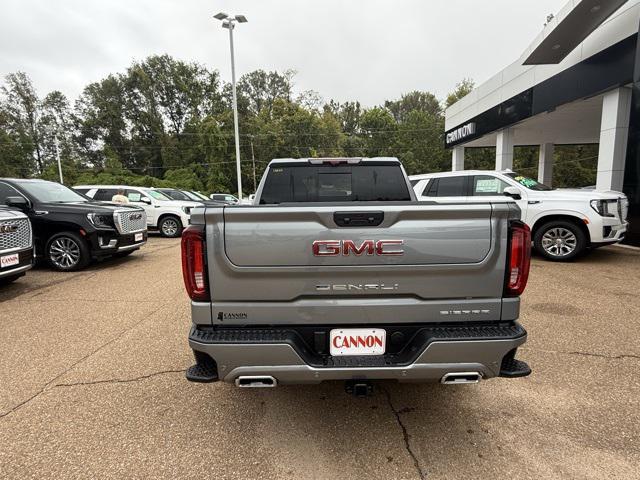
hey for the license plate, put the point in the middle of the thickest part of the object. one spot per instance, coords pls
(9, 260)
(358, 341)
(138, 237)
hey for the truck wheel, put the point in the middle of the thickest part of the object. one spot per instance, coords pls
(170, 227)
(560, 240)
(67, 251)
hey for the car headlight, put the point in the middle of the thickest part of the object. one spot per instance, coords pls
(186, 210)
(101, 220)
(605, 208)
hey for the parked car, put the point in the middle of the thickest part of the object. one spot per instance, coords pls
(198, 195)
(225, 198)
(16, 245)
(338, 273)
(248, 200)
(167, 216)
(564, 222)
(70, 229)
(187, 195)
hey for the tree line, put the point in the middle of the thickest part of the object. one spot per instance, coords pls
(166, 122)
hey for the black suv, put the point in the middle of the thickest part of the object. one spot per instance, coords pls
(70, 229)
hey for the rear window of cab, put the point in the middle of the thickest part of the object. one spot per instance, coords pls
(291, 183)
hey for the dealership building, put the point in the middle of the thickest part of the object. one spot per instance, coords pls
(577, 83)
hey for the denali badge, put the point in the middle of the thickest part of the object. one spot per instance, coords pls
(8, 228)
(350, 287)
(332, 248)
(232, 316)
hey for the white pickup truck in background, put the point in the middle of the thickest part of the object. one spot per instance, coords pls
(564, 222)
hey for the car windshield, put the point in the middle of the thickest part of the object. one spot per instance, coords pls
(158, 196)
(198, 195)
(176, 194)
(192, 196)
(52, 192)
(529, 183)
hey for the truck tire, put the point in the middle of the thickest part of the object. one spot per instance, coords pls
(170, 226)
(67, 252)
(560, 240)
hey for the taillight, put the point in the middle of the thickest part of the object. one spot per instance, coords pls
(194, 267)
(519, 258)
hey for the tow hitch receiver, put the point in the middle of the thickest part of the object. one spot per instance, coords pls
(358, 388)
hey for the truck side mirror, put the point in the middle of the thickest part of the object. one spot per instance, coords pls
(145, 200)
(512, 192)
(17, 202)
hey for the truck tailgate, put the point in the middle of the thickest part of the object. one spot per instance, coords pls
(436, 263)
(283, 237)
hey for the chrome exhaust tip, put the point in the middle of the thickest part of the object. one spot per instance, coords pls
(460, 378)
(256, 382)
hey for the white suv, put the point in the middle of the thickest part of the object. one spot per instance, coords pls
(564, 222)
(167, 216)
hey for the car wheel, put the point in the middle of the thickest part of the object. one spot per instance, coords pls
(67, 252)
(560, 241)
(170, 227)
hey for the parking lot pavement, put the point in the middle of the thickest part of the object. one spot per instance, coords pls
(91, 369)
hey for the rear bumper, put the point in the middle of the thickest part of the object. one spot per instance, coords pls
(429, 356)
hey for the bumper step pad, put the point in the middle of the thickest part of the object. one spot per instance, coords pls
(205, 372)
(512, 368)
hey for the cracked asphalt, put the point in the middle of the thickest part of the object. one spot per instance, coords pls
(92, 386)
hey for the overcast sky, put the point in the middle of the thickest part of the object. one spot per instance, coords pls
(367, 50)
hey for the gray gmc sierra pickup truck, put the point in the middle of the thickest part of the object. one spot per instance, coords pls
(338, 273)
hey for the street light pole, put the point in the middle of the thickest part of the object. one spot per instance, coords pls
(230, 23)
(253, 161)
(58, 159)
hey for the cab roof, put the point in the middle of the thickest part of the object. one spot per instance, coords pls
(331, 160)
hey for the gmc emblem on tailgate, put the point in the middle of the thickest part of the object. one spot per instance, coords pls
(332, 248)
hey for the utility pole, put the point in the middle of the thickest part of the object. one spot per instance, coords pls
(230, 23)
(253, 160)
(58, 159)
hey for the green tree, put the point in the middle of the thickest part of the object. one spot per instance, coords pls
(378, 128)
(259, 90)
(415, 101)
(462, 90)
(101, 123)
(419, 143)
(20, 107)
